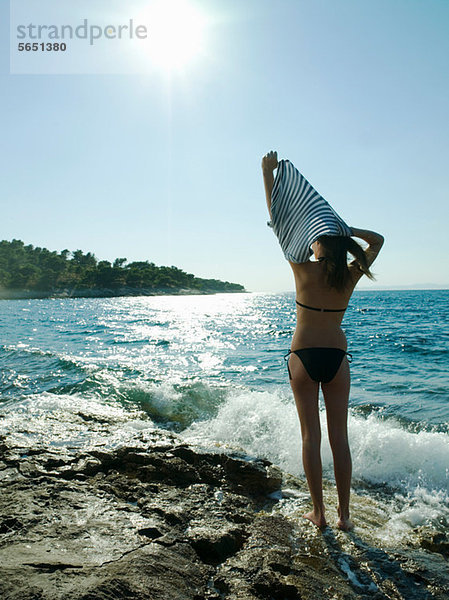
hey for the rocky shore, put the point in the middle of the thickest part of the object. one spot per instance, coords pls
(162, 519)
(6, 294)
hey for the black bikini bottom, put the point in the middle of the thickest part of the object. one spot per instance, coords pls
(321, 364)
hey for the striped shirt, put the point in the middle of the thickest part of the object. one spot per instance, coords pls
(299, 215)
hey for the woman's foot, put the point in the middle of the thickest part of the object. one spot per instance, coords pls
(344, 522)
(317, 518)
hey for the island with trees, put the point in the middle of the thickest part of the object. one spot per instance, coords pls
(27, 271)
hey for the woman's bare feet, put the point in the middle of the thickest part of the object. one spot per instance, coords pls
(344, 522)
(317, 518)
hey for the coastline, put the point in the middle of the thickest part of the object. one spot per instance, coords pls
(98, 499)
(158, 517)
(6, 294)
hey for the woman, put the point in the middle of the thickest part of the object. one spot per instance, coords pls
(318, 349)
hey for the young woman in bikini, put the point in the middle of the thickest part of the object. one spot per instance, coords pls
(318, 351)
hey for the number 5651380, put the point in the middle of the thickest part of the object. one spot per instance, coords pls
(35, 46)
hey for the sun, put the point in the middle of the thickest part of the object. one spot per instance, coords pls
(176, 33)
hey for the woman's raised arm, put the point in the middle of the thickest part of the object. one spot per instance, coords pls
(269, 163)
(374, 240)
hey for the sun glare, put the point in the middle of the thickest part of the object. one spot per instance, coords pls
(176, 30)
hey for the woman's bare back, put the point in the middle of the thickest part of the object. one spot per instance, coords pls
(315, 327)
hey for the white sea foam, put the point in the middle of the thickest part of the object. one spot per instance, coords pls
(63, 420)
(266, 424)
(413, 466)
(384, 452)
(261, 423)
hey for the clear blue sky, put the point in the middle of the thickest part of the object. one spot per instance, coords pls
(354, 93)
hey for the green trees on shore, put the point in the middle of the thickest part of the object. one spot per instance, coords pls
(32, 268)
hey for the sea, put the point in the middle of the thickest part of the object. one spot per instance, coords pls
(211, 369)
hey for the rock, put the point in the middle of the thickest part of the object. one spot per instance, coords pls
(436, 542)
(161, 519)
(214, 543)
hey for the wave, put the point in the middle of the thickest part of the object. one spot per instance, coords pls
(22, 353)
(27, 370)
(172, 406)
(73, 421)
(266, 423)
(407, 470)
(30, 371)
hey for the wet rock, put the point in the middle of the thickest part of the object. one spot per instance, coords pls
(10, 524)
(150, 532)
(437, 542)
(266, 585)
(214, 543)
(253, 476)
(159, 518)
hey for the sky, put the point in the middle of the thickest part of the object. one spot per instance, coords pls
(164, 165)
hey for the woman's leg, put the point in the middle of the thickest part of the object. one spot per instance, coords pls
(305, 392)
(336, 395)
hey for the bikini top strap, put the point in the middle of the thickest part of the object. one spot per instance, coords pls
(321, 309)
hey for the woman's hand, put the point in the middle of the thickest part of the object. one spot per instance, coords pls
(270, 161)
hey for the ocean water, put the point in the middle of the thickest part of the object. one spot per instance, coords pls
(211, 368)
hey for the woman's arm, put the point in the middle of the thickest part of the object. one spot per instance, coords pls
(269, 163)
(374, 240)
